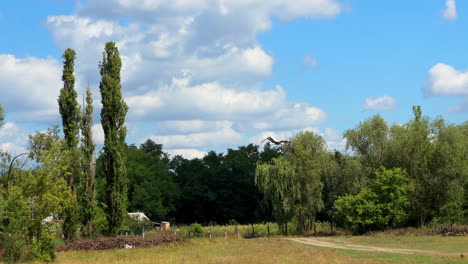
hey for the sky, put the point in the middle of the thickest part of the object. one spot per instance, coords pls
(201, 75)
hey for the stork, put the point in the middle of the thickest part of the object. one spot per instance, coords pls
(285, 143)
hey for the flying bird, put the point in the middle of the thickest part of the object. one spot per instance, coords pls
(285, 143)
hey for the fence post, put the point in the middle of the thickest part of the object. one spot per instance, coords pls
(191, 235)
(225, 233)
(268, 230)
(209, 233)
(237, 230)
(253, 231)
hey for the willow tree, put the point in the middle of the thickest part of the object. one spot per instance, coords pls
(291, 183)
(113, 114)
(70, 112)
(87, 188)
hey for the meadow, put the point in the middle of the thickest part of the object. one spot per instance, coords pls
(268, 250)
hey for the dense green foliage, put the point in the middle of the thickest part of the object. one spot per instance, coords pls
(2, 116)
(87, 190)
(218, 188)
(381, 205)
(37, 194)
(70, 113)
(113, 115)
(291, 183)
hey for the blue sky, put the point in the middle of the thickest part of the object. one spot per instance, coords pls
(213, 74)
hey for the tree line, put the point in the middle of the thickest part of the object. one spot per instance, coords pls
(388, 176)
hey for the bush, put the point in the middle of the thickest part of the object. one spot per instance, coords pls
(17, 250)
(196, 229)
(44, 249)
(382, 205)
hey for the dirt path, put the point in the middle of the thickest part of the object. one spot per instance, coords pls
(320, 242)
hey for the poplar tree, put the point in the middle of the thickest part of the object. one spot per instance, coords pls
(87, 188)
(70, 112)
(113, 114)
(2, 116)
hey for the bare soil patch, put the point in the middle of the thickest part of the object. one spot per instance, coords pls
(322, 242)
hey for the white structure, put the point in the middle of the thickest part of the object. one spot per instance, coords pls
(138, 216)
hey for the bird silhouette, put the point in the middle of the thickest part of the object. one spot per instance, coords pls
(285, 143)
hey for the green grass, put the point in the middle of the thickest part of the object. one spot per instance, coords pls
(456, 244)
(258, 250)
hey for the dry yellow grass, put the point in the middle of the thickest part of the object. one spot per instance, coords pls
(239, 250)
(232, 250)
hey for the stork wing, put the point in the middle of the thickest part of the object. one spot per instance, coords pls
(272, 140)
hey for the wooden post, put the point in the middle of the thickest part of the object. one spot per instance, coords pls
(191, 235)
(268, 230)
(237, 230)
(253, 230)
(209, 233)
(225, 233)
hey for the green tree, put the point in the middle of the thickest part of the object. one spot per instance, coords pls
(369, 141)
(151, 187)
(70, 112)
(87, 192)
(292, 183)
(2, 116)
(113, 114)
(276, 181)
(382, 205)
(342, 175)
(42, 192)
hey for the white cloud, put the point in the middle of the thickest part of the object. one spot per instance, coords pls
(450, 11)
(204, 101)
(309, 62)
(226, 136)
(215, 102)
(13, 138)
(98, 134)
(383, 103)
(186, 153)
(190, 126)
(445, 80)
(331, 133)
(30, 87)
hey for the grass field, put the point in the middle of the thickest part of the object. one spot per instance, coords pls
(447, 244)
(268, 250)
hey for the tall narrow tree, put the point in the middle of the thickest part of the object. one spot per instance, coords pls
(87, 188)
(2, 116)
(113, 114)
(70, 112)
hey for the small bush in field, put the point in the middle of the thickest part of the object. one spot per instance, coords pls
(196, 229)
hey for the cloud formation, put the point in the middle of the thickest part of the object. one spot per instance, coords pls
(192, 70)
(450, 11)
(30, 87)
(309, 62)
(445, 80)
(383, 103)
(13, 138)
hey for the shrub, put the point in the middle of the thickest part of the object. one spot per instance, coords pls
(17, 250)
(196, 229)
(44, 249)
